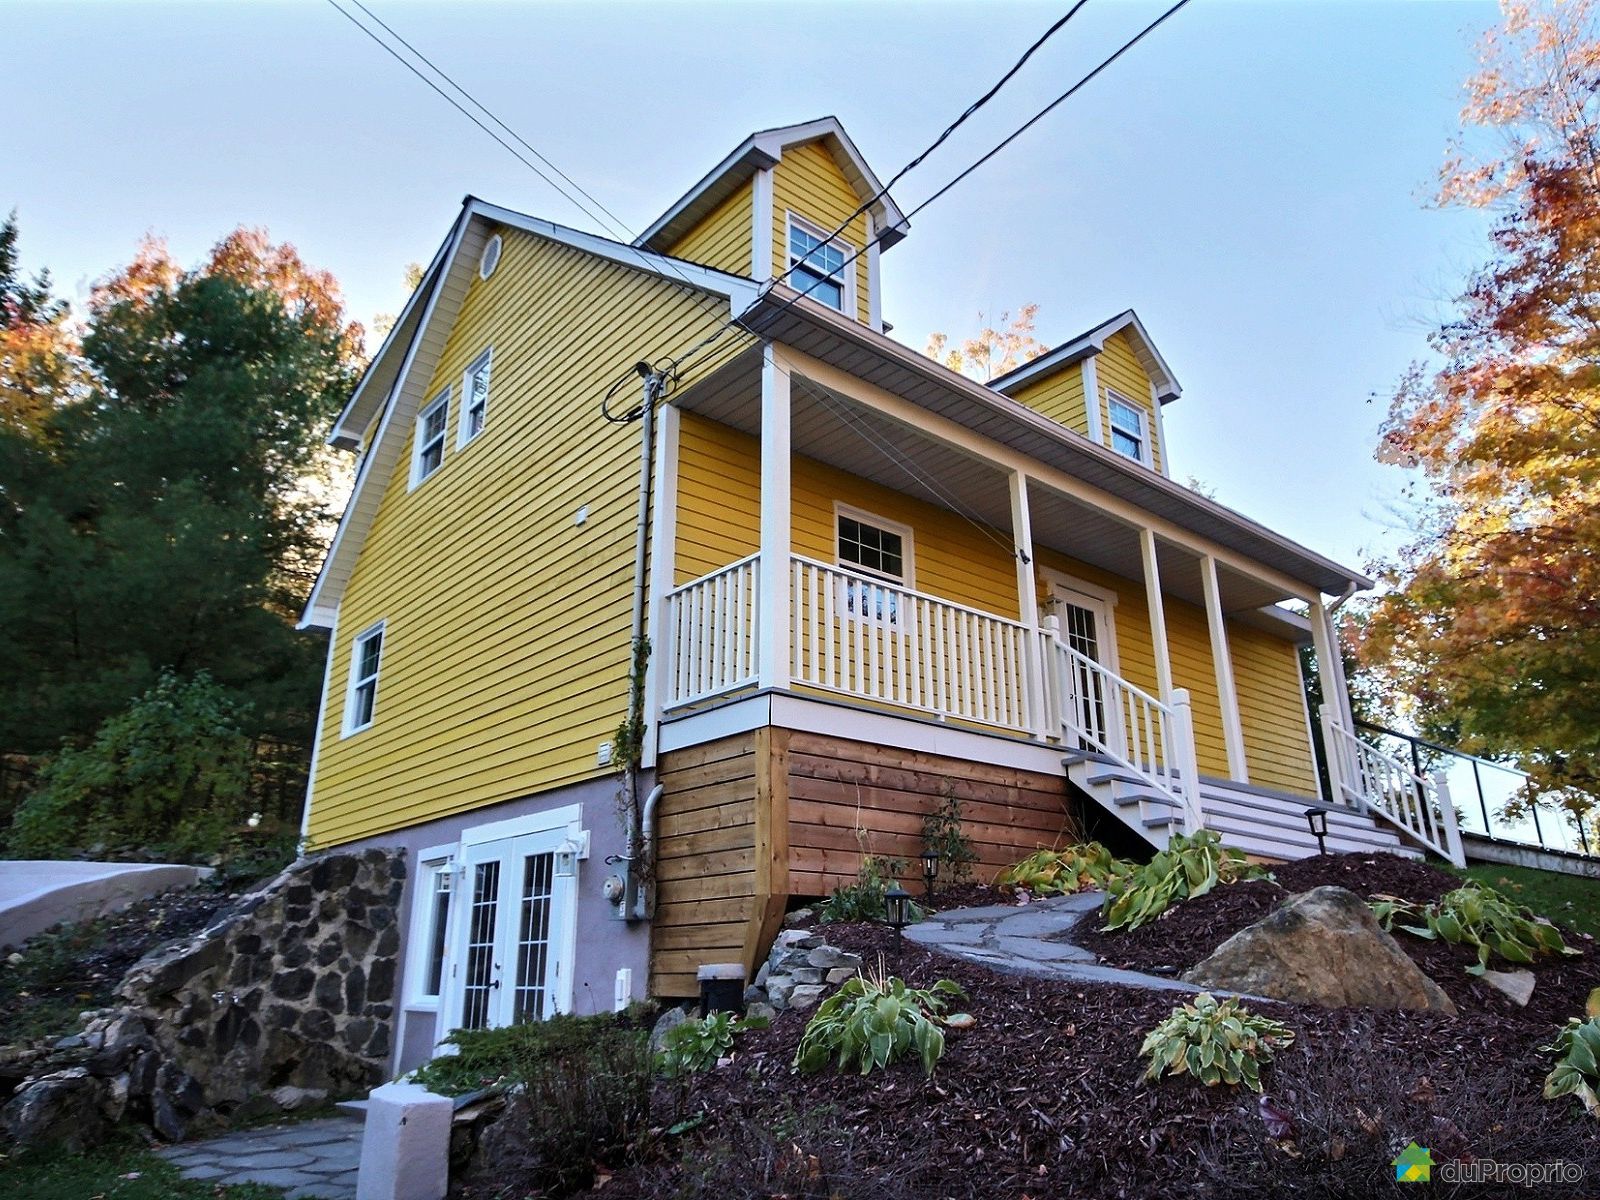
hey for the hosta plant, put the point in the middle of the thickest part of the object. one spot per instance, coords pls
(1577, 1069)
(1476, 916)
(1215, 1041)
(872, 1021)
(1073, 869)
(863, 899)
(1190, 866)
(697, 1046)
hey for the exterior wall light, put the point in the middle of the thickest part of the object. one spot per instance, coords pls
(567, 859)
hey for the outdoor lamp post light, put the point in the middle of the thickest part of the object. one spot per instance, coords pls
(1317, 819)
(567, 859)
(897, 911)
(930, 869)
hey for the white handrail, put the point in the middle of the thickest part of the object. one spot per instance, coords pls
(1371, 779)
(867, 637)
(1106, 713)
(711, 634)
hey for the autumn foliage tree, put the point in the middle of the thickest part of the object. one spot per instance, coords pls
(995, 349)
(1491, 627)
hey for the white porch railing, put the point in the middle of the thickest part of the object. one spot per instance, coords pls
(1367, 778)
(867, 638)
(1101, 711)
(710, 625)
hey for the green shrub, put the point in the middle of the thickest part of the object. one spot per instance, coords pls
(697, 1046)
(503, 1055)
(863, 899)
(1477, 916)
(1577, 1069)
(1059, 872)
(171, 774)
(872, 1022)
(942, 835)
(1188, 868)
(1216, 1042)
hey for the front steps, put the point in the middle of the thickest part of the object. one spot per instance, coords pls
(1259, 822)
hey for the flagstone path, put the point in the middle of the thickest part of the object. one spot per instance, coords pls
(312, 1160)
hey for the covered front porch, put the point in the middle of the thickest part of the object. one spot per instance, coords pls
(1044, 607)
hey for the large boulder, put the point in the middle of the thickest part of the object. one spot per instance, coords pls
(1324, 947)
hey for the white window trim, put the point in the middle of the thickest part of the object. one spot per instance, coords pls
(487, 263)
(377, 627)
(486, 359)
(1060, 581)
(793, 220)
(417, 477)
(907, 544)
(423, 913)
(1145, 433)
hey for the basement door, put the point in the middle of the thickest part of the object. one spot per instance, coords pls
(513, 936)
(1086, 627)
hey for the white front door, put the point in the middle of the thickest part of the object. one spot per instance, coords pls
(513, 934)
(1086, 627)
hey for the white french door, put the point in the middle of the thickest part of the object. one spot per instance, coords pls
(1086, 627)
(513, 936)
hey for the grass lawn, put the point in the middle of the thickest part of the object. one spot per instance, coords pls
(1571, 900)
(113, 1173)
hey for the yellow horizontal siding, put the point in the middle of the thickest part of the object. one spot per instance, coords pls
(1272, 710)
(1060, 397)
(506, 640)
(808, 182)
(721, 238)
(1118, 368)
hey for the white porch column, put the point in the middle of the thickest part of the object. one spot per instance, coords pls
(663, 573)
(1330, 667)
(773, 653)
(1222, 659)
(1028, 603)
(1158, 615)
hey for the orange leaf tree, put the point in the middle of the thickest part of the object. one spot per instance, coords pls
(992, 351)
(1491, 627)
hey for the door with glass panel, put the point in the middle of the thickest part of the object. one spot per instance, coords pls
(513, 914)
(1086, 628)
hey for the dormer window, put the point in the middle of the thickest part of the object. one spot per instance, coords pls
(1130, 435)
(817, 265)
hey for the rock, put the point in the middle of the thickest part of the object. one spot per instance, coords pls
(806, 994)
(827, 957)
(291, 1098)
(1517, 985)
(798, 917)
(839, 974)
(806, 975)
(1325, 948)
(665, 1024)
(798, 939)
(778, 989)
(61, 1111)
(759, 1010)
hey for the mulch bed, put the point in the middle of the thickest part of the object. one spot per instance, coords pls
(1189, 932)
(83, 963)
(1044, 1096)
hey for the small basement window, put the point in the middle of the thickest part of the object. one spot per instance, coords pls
(1129, 435)
(429, 454)
(475, 398)
(366, 656)
(817, 265)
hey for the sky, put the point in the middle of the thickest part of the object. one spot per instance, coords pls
(1252, 178)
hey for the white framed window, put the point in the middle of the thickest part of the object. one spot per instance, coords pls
(361, 699)
(877, 547)
(430, 927)
(821, 268)
(475, 398)
(490, 258)
(1130, 428)
(428, 455)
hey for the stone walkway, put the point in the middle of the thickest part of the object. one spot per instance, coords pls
(1032, 939)
(312, 1159)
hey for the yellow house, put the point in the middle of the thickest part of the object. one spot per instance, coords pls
(691, 481)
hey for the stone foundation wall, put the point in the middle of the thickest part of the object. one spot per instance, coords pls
(287, 998)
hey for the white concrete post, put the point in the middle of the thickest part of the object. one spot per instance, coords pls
(405, 1146)
(772, 589)
(1184, 758)
(1222, 660)
(1028, 605)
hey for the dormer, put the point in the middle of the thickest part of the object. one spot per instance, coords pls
(778, 202)
(1109, 384)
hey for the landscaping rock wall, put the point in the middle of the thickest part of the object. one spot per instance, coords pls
(800, 971)
(286, 999)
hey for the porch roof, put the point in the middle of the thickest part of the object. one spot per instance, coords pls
(782, 315)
